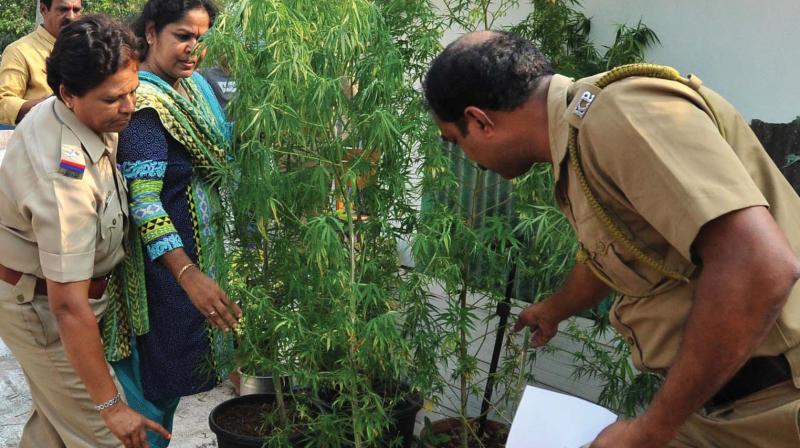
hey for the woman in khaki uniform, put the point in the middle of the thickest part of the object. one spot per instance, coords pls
(62, 219)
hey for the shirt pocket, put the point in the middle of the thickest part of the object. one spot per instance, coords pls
(621, 271)
(110, 226)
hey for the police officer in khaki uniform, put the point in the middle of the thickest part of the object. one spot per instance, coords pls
(676, 206)
(62, 220)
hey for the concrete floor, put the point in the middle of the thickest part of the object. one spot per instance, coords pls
(191, 419)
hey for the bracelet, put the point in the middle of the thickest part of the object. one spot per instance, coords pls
(107, 404)
(183, 271)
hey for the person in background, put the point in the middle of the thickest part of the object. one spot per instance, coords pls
(23, 82)
(219, 78)
(175, 136)
(676, 206)
(63, 214)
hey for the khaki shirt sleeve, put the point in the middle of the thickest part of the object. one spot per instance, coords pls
(64, 220)
(665, 154)
(14, 77)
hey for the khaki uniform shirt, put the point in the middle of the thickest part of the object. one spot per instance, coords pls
(22, 73)
(52, 225)
(655, 159)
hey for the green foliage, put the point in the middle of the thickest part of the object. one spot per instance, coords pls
(474, 15)
(18, 17)
(625, 390)
(326, 123)
(123, 10)
(562, 33)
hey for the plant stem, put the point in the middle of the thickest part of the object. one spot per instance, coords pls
(462, 302)
(348, 210)
(277, 382)
(477, 186)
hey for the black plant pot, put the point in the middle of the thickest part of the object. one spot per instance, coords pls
(229, 439)
(405, 418)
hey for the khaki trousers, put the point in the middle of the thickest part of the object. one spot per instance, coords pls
(766, 419)
(63, 413)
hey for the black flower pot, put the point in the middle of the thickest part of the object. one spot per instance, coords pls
(227, 438)
(404, 416)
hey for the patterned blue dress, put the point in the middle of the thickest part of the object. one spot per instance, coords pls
(173, 355)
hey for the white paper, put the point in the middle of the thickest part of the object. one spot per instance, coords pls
(546, 419)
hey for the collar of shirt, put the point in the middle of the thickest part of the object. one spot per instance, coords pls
(94, 144)
(557, 124)
(47, 39)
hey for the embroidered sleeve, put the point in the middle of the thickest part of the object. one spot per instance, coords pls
(143, 153)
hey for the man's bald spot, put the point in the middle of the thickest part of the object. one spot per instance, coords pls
(473, 38)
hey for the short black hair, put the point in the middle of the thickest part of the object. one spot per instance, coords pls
(499, 73)
(164, 12)
(87, 51)
(47, 3)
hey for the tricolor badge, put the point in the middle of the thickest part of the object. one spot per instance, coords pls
(72, 162)
(71, 169)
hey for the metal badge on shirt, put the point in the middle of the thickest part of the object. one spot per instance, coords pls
(585, 96)
(73, 162)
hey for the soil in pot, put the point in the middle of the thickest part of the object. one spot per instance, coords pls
(245, 419)
(447, 434)
(239, 422)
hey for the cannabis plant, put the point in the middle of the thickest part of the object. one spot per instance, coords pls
(326, 123)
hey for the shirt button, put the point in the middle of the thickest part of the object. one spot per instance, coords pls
(20, 298)
(114, 222)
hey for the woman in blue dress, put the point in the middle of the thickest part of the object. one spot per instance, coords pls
(175, 145)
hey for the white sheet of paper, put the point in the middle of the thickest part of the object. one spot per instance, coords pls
(546, 419)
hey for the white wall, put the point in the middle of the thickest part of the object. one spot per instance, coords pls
(744, 49)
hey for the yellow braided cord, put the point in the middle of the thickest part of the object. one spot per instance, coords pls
(650, 70)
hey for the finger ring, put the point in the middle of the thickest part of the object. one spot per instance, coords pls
(212, 314)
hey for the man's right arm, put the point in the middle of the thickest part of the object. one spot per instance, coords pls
(26, 107)
(581, 291)
(14, 76)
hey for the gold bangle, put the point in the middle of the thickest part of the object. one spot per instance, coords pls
(183, 271)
